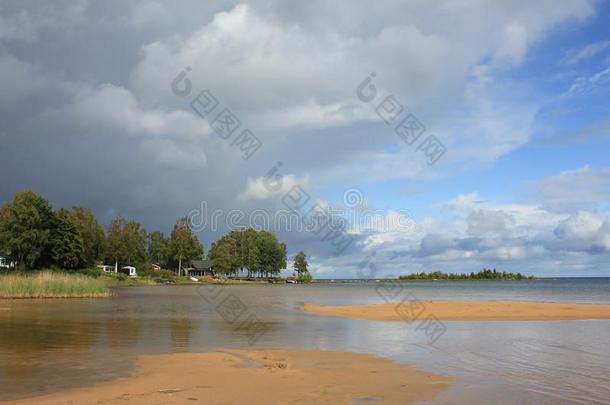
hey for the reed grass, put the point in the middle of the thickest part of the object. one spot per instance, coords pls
(48, 284)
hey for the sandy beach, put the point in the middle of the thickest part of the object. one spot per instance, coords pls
(466, 311)
(258, 377)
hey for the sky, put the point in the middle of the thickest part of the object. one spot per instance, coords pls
(450, 136)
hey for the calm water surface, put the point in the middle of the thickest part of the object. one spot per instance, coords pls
(47, 345)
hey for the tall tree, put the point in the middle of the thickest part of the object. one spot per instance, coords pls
(90, 231)
(301, 266)
(247, 255)
(282, 260)
(158, 247)
(272, 253)
(184, 244)
(257, 251)
(126, 242)
(252, 254)
(65, 243)
(222, 253)
(25, 228)
(300, 263)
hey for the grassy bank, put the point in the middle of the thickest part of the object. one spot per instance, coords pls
(89, 283)
(119, 280)
(47, 284)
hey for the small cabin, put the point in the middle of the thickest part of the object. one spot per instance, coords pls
(6, 262)
(106, 268)
(129, 270)
(200, 268)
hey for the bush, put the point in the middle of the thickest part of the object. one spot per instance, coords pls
(165, 274)
(116, 276)
(305, 277)
(144, 269)
(90, 272)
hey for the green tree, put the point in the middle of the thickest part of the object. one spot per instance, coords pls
(126, 242)
(282, 257)
(158, 247)
(90, 231)
(259, 252)
(184, 244)
(246, 252)
(272, 253)
(222, 253)
(300, 263)
(25, 228)
(65, 243)
(301, 266)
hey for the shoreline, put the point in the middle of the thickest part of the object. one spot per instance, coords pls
(465, 311)
(259, 377)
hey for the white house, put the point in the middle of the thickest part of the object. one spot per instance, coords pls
(6, 263)
(130, 271)
(107, 269)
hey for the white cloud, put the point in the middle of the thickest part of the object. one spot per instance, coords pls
(588, 51)
(584, 85)
(514, 45)
(583, 231)
(490, 222)
(573, 189)
(317, 269)
(262, 188)
(261, 64)
(287, 74)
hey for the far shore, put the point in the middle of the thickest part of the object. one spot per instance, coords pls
(259, 377)
(465, 311)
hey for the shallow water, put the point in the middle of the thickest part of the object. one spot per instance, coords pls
(46, 345)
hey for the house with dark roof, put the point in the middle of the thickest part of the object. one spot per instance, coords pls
(200, 268)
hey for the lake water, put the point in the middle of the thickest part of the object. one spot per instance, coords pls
(47, 345)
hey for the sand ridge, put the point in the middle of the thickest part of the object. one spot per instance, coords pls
(258, 377)
(466, 311)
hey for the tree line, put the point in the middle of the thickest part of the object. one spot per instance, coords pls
(257, 253)
(36, 236)
(485, 274)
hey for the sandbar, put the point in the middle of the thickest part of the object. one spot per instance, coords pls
(465, 311)
(258, 377)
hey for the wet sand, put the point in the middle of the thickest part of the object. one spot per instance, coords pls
(258, 377)
(466, 311)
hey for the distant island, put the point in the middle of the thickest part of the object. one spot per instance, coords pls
(485, 274)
